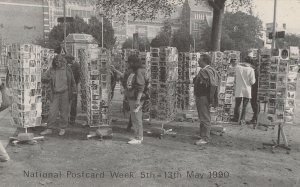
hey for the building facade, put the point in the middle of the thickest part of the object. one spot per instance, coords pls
(26, 21)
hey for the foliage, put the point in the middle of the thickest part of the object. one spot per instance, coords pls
(289, 40)
(144, 44)
(94, 27)
(164, 37)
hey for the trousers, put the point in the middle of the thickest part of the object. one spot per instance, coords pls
(136, 119)
(3, 154)
(202, 105)
(60, 105)
(238, 101)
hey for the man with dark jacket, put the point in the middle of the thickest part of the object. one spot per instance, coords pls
(206, 85)
(63, 89)
(75, 66)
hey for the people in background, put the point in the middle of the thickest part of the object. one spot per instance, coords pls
(245, 78)
(206, 85)
(63, 89)
(75, 66)
(254, 93)
(133, 81)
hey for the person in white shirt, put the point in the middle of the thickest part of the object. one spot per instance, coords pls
(245, 78)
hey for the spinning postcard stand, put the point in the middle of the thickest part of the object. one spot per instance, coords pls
(277, 89)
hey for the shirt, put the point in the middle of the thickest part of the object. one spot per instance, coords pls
(245, 78)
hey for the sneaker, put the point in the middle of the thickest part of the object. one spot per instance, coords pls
(61, 132)
(135, 141)
(252, 121)
(47, 131)
(201, 142)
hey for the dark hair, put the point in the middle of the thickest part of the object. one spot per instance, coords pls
(58, 58)
(206, 59)
(69, 58)
(135, 62)
(248, 59)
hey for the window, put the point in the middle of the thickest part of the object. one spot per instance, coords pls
(200, 16)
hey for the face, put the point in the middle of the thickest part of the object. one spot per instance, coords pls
(58, 62)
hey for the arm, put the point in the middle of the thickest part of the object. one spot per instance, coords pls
(252, 77)
(140, 84)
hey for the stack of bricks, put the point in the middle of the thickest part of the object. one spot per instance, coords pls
(221, 62)
(95, 85)
(25, 75)
(164, 75)
(187, 70)
(47, 56)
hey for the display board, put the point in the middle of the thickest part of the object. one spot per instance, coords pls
(24, 67)
(164, 74)
(95, 85)
(277, 84)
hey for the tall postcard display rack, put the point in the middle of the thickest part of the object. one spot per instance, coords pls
(187, 70)
(222, 62)
(164, 74)
(25, 75)
(277, 87)
(95, 86)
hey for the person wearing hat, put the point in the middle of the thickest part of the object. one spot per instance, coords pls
(75, 66)
(63, 87)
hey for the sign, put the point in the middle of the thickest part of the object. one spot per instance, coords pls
(279, 34)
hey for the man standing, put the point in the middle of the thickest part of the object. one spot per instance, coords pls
(245, 78)
(75, 66)
(63, 87)
(206, 85)
(254, 92)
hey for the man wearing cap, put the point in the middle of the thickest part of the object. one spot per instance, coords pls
(63, 87)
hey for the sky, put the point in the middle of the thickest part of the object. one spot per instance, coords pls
(288, 11)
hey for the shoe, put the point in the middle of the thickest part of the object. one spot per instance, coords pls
(252, 121)
(47, 131)
(201, 142)
(135, 141)
(61, 132)
(242, 122)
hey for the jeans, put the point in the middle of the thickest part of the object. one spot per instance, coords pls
(136, 119)
(238, 101)
(59, 105)
(202, 105)
(73, 112)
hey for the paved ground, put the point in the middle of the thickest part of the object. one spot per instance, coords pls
(235, 159)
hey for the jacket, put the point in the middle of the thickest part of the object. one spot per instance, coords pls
(207, 83)
(49, 77)
(138, 83)
(245, 78)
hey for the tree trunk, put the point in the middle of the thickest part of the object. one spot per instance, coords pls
(217, 29)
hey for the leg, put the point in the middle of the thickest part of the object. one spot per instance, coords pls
(53, 111)
(137, 122)
(73, 112)
(3, 154)
(64, 109)
(238, 101)
(129, 122)
(204, 116)
(244, 108)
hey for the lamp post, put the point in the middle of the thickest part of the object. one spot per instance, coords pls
(65, 27)
(274, 27)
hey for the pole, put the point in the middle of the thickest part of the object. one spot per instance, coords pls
(194, 45)
(102, 30)
(65, 27)
(274, 26)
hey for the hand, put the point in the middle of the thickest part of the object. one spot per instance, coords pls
(137, 103)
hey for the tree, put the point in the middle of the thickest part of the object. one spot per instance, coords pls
(93, 28)
(288, 40)
(164, 37)
(144, 9)
(182, 39)
(144, 44)
(241, 31)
